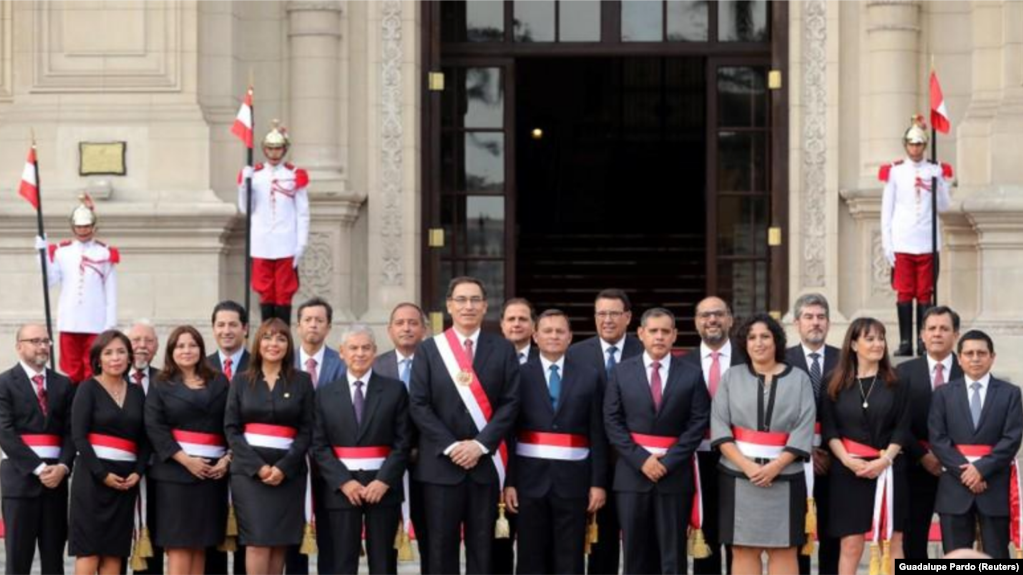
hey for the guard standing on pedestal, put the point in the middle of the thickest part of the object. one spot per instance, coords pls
(906, 221)
(280, 224)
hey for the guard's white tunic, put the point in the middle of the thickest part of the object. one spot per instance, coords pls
(280, 210)
(88, 298)
(906, 205)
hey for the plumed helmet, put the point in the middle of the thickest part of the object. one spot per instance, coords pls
(917, 131)
(84, 213)
(277, 137)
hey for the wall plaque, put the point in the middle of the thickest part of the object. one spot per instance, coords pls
(102, 158)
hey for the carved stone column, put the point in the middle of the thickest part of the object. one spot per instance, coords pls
(893, 79)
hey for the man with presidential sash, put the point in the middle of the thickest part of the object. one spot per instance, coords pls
(464, 400)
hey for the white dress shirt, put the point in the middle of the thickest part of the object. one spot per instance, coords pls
(984, 384)
(522, 354)
(236, 357)
(145, 378)
(648, 368)
(619, 348)
(546, 363)
(365, 384)
(932, 366)
(809, 360)
(317, 357)
(724, 359)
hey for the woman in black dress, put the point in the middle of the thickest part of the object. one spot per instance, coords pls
(106, 424)
(268, 425)
(865, 419)
(185, 421)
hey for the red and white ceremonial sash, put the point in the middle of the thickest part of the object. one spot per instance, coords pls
(45, 445)
(362, 458)
(696, 516)
(546, 445)
(974, 452)
(271, 436)
(467, 383)
(1016, 509)
(884, 491)
(655, 444)
(199, 444)
(759, 444)
(113, 448)
(817, 434)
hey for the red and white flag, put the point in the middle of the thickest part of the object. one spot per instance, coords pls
(29, 188)
(243, 122)
(939, 113)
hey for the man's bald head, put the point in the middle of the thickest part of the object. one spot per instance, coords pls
(144, 343)
(34, 345)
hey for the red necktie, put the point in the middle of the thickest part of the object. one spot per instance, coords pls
(138, 376)
(40, 392)
(655, 384)
(227, 368)
(715, 372)
(468, 348)
(939, 375)
(310, 368)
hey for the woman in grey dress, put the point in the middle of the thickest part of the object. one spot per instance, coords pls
(762, 420)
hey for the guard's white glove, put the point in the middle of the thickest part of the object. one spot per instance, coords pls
(298, 257)
(889, 254)
(41, 243)
(247, 173)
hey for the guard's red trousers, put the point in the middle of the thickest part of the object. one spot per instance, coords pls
(914, 277)
(276, 281)
(74, 355)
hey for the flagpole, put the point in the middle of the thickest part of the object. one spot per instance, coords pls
(42, 252)
(248, 211)
(935, 264)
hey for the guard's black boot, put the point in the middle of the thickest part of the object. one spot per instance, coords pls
(905, 329)
(921, 309)
(267, 311)
(284, 312)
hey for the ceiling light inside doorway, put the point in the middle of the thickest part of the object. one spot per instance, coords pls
(537, 133)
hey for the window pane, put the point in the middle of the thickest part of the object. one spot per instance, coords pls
(642, 21)
(742, 97)
(492, 276)
(687, 21)
(742, 161)
(742, 225)
(534, 20)
(484, 98)
(472, 21)
(742, 20)
(484, 162)
(477, 224)
(579, 21)
(744, 284)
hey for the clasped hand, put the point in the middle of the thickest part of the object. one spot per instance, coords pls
(358, 493)
(466, 454)
(271, 476)
(114, 481)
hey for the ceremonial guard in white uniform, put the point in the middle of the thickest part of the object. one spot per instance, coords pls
(88, 300)
(280, 224)
(906, 228)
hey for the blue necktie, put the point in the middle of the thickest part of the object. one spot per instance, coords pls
(406, 371)
(975, 404)
(610, 359)
(554, 384)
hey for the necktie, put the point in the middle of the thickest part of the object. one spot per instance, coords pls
(359, 401)
(714, 377)
(468, 348)
(227, 368)
(655, 384)
(522, 358)
(138, 376)
(40, 392)
(310, 368)
(939, 375)
(975, 403)
(554, 385)
(406, 371)
(610, 359)
(815, 374)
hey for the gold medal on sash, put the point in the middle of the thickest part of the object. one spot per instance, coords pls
(464, 377)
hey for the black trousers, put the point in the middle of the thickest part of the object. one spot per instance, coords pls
(959, 531)
(297, 564)
(552, 535)
(653, 531)
(921, 512)
(449, 508)
(828, 548)
(32, 521)
(605, 554)
(381, 522)
(711, 565)
(417, 512)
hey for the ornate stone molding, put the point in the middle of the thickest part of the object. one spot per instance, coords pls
(391, 142)
(880, 271)
(316, 269)
(814, 148)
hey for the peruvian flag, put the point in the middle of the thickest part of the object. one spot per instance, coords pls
(29, 188)
(939, 113)
(243, 122)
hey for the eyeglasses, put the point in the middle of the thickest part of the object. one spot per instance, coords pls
(462, 301)
(715, 313)
(609, 314)
(37, 341)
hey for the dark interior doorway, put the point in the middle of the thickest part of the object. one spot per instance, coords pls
(611, 183)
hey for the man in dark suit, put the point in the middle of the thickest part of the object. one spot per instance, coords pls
(924, 375)
(811, 316)
(612, 313)
(464, 400)
(714, 358)
(407, 327)
(324, 365)
(557, 473)
(230, 328)
(361, 442)
(656, 410)
(975, 425)
(35, 435)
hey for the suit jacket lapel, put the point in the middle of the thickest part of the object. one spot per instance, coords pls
(26, 386)
(993, 391)
(669, 391)
(964, 404)
(643, 387)
(373, 394)
(344, 407)
(568, 380)
(481, 353)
